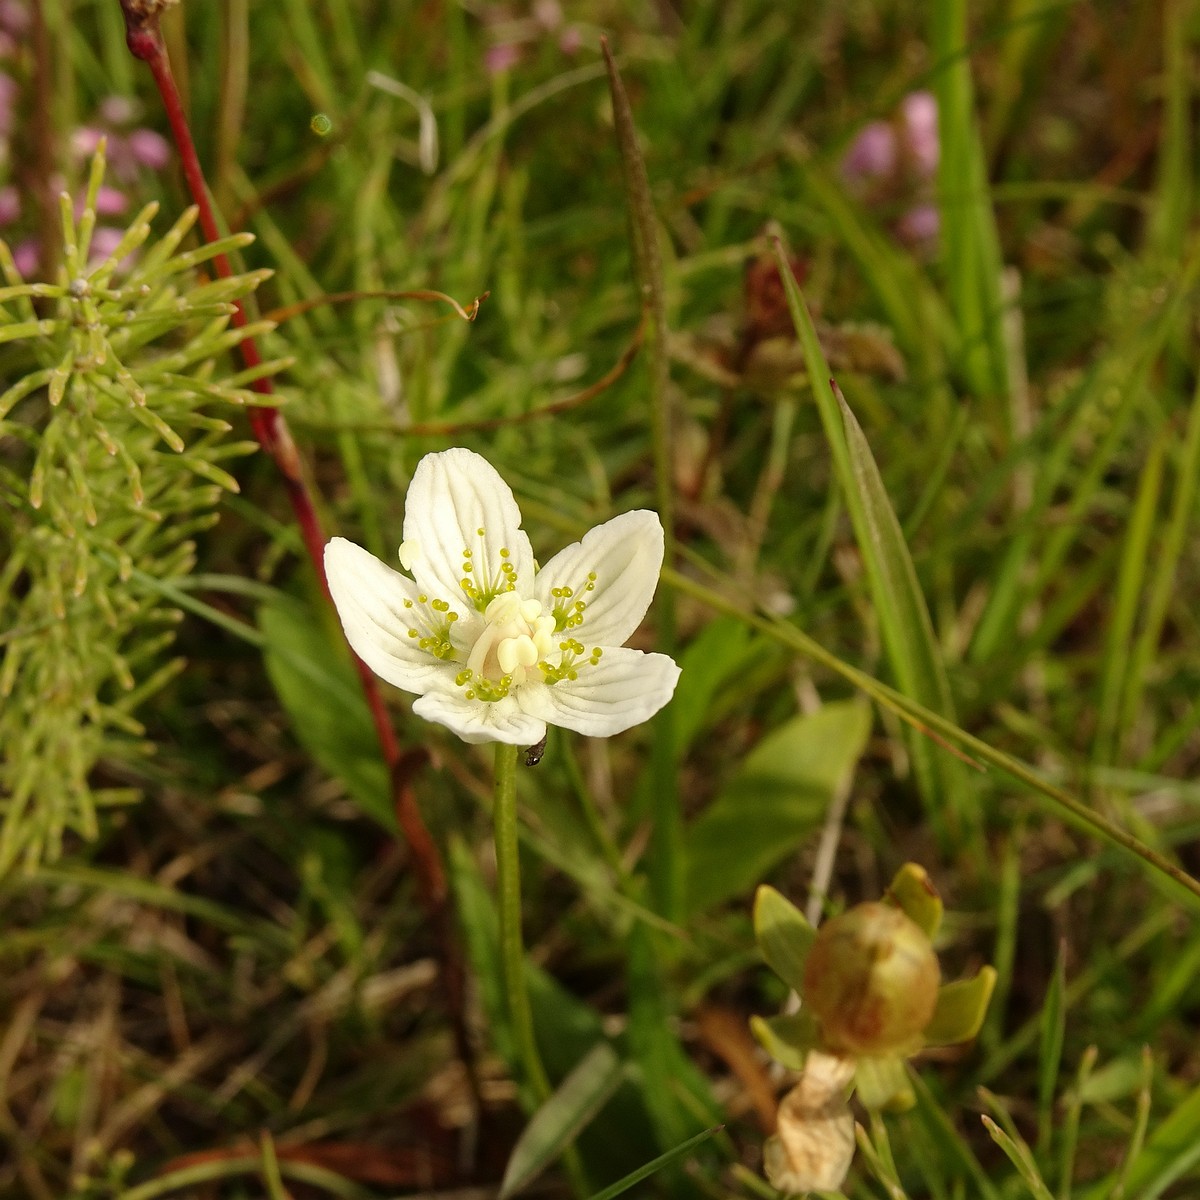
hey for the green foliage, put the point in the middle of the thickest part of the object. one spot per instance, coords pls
(115, 469)
(304, 661)
(1010, 541)
(779, 795)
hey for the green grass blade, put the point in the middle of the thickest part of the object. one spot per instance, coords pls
(1170, 1151)
(952, 1146)
(970, 243)
(1172, 210)
(899, 605)
(663, 1160)
(1054, 1026)
(780, 795)
(1018, 1154)
(1131, 582)
(1070, 1126)
(1167, 559)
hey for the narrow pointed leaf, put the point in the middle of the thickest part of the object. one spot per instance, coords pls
(1018, 1154)
(559, 1121)
(787, 1039)
(784, 935)
(961, 1007)
(913, 893)
(899, 605)
(623, 1185)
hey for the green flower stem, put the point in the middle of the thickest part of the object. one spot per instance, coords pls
(512, 949)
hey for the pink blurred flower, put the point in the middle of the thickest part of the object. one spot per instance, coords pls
(919, 225)
(104, 241)
(14, 17)
(118, 111)
(150, 149)
(86, 139)
(128, 150)
(14, 22)
(548, 14)
(25, 257)
(502, 57)
(872, 155)
(919, 123)
(891, 165)
(109, 203)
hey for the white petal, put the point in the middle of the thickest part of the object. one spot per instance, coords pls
(626, 556)
(625, 688)
(452, 496)
(480, 721)
(369, 597)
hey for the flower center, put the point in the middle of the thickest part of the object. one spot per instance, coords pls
(518, 639)
(515, 638)
(480, 585)
(568, 612)
(431, 629)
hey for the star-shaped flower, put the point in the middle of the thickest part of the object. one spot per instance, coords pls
(495, 647)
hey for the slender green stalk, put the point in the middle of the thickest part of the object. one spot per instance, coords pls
(666, 846)
(1161, 587)
(937, 726)
(512, 949)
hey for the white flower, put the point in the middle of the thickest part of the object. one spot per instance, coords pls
(495, 647)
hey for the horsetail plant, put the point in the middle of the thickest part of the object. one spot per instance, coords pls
(110, 464)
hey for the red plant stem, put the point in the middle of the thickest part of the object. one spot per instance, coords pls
(145, 42)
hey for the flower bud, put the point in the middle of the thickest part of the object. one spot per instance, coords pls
(871, 980)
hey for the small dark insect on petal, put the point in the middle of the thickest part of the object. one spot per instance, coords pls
(533, 755)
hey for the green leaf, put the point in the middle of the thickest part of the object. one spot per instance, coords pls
(779, 795)
(895, 591)
(960, 1010)
(722, 650)
(784, 935)
(558, 1122)
(316, 684)
(913, 893)
(623, 1185)
(787, 1039)
(903, 617)
(882, 1083)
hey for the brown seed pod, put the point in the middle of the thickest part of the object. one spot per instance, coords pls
(871, 980)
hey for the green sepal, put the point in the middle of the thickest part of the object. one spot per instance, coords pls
(882, 1083)
(960, 1010)
(913, 893)
(787, 1039)
(784, 935)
